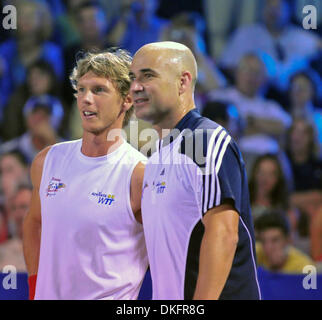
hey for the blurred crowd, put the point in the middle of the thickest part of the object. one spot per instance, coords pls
(259, 76)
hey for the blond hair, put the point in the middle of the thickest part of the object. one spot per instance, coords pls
(113, 64)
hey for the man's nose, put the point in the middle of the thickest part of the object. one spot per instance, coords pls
(136, 86)
(87, 97)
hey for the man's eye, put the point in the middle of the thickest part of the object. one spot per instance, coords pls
(98, 90)
(148, 75)
(80, 90)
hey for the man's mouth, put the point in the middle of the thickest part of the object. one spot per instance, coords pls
(140, 101)
(89, 114)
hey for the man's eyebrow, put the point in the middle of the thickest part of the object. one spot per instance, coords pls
(144, 71)
(92, 84)
(148, 70)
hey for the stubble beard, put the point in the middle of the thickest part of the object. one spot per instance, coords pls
(154, 115)
(97, 131)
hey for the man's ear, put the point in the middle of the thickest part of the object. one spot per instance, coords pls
(127, 103)
(185, 82)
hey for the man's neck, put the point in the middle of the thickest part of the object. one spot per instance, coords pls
(172, 119)
(101, 144)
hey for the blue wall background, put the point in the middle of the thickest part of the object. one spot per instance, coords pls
(274, 286)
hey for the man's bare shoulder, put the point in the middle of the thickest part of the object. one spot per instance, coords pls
(137, 178)
(37, 166)
(138, 171)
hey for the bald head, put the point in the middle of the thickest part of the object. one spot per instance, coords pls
(163, 76)
(174, 55)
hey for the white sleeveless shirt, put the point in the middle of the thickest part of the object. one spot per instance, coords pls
(91, 245)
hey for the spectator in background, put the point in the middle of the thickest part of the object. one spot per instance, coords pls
(41, 80)
(306, 167)
(302, 150)
(91, 24)
(288, 47)
(267, 185)
(14, 170)
(65, 22)
(224, 114)
(183, 28)
(4, 87)
(316, 237)
(273, 248)
(316, 64)
(136, 25)
(223, 17)
(264, 121)
(268, 190)
(3, 225)
(303, 95)
(11, 251)
(29, 44)
(43, 116)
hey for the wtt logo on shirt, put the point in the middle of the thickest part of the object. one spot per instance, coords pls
(103, 198)
(160, 187)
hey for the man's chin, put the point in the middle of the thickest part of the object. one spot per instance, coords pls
(140, 114)
(94, 130)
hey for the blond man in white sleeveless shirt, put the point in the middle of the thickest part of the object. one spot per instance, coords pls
(83, 237)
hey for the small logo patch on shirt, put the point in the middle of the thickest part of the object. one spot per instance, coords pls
(145, 186)
(160, 187)
(53, 186)
(103, 198)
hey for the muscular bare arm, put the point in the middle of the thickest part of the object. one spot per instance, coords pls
(217, 251)
(136, 190)
(32, 221)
